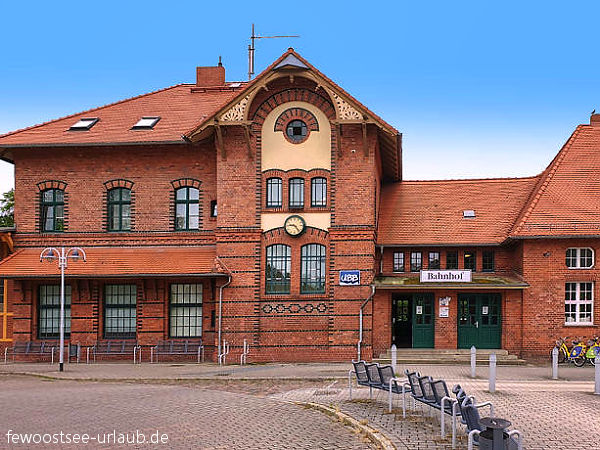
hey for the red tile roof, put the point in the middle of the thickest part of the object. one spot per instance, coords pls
(184, 109)
(116, 262)
(180, 107)
(431, 212)
(566, 201)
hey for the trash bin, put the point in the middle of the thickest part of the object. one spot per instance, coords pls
(494, 437)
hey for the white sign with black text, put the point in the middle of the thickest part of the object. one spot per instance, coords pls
(445, 276)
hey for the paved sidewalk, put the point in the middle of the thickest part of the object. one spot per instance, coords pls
(127, 371)
(190, 417)
(552, 414)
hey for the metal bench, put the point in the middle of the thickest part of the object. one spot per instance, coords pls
(472, 419)
(174, 347)
(394, 385)
(359, 370)
(115, 348)
(30, 348)
(462, 399)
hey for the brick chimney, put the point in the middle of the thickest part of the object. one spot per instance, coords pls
(595, 120)
(210, 76)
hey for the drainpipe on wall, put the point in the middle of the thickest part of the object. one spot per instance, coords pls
(360, 325)
(221, 303)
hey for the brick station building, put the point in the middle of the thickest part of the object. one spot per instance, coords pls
(274, 211)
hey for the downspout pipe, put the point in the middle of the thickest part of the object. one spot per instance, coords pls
(223, 286)
(360, 324)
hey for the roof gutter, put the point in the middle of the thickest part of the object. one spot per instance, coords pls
(223, 286)
(88, 144)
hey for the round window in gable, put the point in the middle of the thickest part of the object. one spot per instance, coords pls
(296, 131)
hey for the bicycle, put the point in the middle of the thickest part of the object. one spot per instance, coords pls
(563, 350)
(577, 354)
(593, 350)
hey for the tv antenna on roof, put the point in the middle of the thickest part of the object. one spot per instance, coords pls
(251, 49)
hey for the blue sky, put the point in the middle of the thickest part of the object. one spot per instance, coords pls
(479, 89)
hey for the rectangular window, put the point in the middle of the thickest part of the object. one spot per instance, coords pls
(312, 277)
(488, 261)
(579, 303)
(185, 313)
(416, 261)
(213, 208)
(119, 209)
(49, 311)
(470, 260)
(296, 193)
(580, 258)
(1, 295)
(279, 266)
(452, 260)
(53, 210)
(398, 261)
(120, 305)
(187, 209)
(434, 261)
(318, 192)
(274, 193)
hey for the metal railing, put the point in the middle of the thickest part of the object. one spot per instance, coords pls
(245, 352)
(223, 356)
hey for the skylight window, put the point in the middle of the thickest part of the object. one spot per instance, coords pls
(468, 214)
(146, 123)
(84, 124)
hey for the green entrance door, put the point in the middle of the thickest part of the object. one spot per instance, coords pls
(423, 320)
(479, 318)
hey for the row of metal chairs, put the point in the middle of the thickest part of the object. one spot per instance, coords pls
(429, 392)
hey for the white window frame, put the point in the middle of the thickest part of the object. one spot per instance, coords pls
(578, 302)
(394, 267)
(578, 258)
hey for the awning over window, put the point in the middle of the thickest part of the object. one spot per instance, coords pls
(117, 262)
(478, 282)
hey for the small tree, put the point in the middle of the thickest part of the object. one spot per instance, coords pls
(7, 209)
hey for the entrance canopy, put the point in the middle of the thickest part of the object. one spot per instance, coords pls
(117, 262)
(413, 282)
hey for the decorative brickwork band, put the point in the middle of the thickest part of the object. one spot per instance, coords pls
(186, 182)
(294, 308)
(296, 114)
(118, 183)
(51, 184)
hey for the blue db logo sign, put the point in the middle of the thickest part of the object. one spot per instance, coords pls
(349, 277)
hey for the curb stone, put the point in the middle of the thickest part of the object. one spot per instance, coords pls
(374, 435)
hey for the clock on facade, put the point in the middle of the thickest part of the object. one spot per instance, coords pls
(295, 225)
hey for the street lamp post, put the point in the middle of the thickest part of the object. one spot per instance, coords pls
(52, 254)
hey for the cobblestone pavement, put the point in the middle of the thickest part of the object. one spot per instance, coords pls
(552, 415)
(191, 417)
(559, 415)
(268, 371)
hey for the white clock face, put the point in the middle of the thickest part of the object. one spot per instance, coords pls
(294, 225)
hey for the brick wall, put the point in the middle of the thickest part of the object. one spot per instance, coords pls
(545, 270)
(85, 171)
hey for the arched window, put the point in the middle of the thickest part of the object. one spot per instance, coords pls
(53, 210)
(274, 193)
(119, 209)
(187, 209)
(318, 191)
(296, 193)
(312, 276)
(278, 268)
